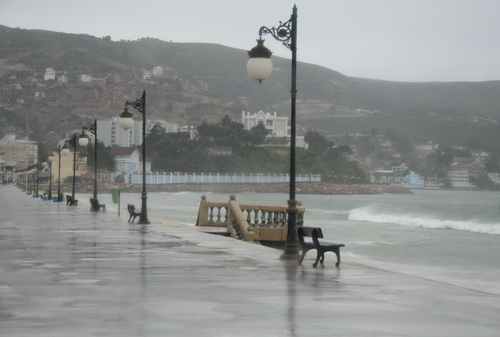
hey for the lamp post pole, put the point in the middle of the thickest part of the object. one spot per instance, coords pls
(260, 56)
(73, 142)
(59, 199)
(50, 158)
(83, 141)
(126, 122)
(65, 151)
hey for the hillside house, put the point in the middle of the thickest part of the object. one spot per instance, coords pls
(459, 179)
(86, 78)
(129, 159)
(147, 74)
(276, 126)
(157, 71)
(63, 79)
(50, 74)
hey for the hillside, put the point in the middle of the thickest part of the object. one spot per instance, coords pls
(205, 80)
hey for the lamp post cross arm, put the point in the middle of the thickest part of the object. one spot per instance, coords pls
(92, 128)
(139, 104)
(285, 32)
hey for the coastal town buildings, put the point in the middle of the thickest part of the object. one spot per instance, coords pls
(460, 179)
(18, 153)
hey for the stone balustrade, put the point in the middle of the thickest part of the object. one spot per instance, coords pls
(247, 222)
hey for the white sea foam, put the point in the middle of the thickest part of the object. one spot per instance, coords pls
(368, 215)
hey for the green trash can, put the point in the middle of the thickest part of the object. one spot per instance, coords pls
(46, 191)
(114, 194)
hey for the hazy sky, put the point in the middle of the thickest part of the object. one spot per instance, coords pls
(400, 40)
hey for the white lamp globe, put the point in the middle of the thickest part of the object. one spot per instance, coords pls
(83, 140)
(126, 122)
(260, 66)
(65, 150)
(125, 119)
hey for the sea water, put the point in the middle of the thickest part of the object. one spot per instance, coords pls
(447, 236)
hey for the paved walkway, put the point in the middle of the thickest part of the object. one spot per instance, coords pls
(66, 271)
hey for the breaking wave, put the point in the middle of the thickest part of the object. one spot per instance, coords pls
(367, 215)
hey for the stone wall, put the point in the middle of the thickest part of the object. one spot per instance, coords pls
(301, 188)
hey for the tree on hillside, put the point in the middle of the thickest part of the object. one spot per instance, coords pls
(317, 142)
(105, 160)
(231, 133)
(256, 135)
(402, 142)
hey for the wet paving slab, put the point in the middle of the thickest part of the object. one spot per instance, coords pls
(66, 271)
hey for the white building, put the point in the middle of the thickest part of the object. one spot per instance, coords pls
(157, 71)
(146, 74)
(85, 78)
(150, 123)
(459, 179)
(495, 178)
(191, 129)
(39, 96)
(63, 79)
(50, 74)
(112, 134)
(19, 152)
(400, 169)
(276, 126)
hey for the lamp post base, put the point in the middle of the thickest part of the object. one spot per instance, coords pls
(291, 251)
(291, 254)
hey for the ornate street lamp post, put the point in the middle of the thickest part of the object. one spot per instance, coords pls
(83, 141)
(65, 151)
(37, 177)
(127, 122)
(59, 199)
(50, 159)
(260, 67)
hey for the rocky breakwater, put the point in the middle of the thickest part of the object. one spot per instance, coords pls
(233, 188)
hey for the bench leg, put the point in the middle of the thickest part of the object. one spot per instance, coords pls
(304, 251)
(318, 255)
(337, 252)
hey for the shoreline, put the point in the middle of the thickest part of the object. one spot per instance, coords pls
(301, 188)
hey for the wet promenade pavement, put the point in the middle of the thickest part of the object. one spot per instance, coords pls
(66, 271)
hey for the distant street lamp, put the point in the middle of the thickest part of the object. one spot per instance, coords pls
(50, 158)
(127, 122)
(83, 141)
(37, 177)
(59, 199)
(65, 151)
(260, 67)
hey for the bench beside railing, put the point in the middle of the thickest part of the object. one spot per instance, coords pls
(247, 222)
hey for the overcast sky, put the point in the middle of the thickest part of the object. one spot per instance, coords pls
(397, 40)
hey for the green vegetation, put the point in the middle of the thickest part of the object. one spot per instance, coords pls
(172, 152)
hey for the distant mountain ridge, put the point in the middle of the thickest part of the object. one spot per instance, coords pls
(454, 113)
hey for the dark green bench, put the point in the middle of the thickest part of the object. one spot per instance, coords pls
(321, 246)
(133, 213)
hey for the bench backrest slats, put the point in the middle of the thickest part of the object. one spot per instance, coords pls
(308, 231)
